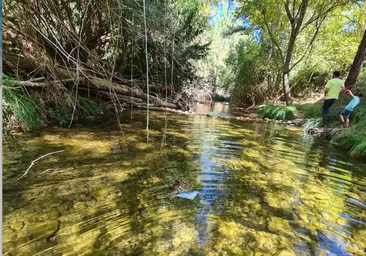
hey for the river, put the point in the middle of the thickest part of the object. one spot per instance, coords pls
(263, 190)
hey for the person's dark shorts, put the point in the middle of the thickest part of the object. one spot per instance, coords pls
(346, 113)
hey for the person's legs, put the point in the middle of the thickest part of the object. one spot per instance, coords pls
(349, 113)
(325, 108)
(342, 118)
(327, 104)
(346, 114)
(343, 115)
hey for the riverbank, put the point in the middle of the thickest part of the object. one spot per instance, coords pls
(352, 138)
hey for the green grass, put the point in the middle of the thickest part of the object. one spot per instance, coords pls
(277, 112)
(29, 110)
(310, 110)
(312, 123)
(18, 108)
(354, 138)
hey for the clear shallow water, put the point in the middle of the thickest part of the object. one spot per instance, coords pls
(264, 190)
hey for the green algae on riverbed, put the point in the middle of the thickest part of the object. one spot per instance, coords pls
(263, 191)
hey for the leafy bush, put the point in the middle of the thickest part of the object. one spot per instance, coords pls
(277, 112)
(250, 75)
(309, 79)
(354, 139)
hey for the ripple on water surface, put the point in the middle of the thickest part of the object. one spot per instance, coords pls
(264, 190)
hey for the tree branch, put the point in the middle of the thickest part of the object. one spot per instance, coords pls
(288, 12)
(293, 8)
(324, 14)
(39, 159)
(309, 45)
(271, 35)
(35, 84)
(300, 18)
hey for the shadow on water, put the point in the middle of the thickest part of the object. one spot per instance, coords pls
(264, 190)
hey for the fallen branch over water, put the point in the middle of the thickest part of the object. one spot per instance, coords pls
(37, 160)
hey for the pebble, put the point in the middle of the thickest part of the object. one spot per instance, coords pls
(17, 225)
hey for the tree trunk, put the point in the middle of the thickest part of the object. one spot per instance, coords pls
(286, 87)
(296, 23)
(286, 67)
(357, 63)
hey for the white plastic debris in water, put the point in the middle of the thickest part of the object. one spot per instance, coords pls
(189, 196)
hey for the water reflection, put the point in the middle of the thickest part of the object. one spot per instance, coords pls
(264, 190)
(202, 108)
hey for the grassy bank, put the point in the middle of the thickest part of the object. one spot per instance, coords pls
(352, 138)
(26, 110)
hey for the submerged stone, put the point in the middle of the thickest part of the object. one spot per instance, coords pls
(8, 246)
(84, 242)
(17, 225)
(278, 225)
(54, 214)
(100, 194)
(80, 206)
(255, 206)
(44, 230)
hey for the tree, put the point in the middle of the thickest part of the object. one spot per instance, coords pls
(283, 22)
(357, 62)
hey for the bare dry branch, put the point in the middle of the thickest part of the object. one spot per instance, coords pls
(60, 151)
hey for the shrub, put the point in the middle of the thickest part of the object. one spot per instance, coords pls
(277, 112)
(308, 80)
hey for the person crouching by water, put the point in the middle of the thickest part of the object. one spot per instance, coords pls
(347, 112)
(332, 89)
